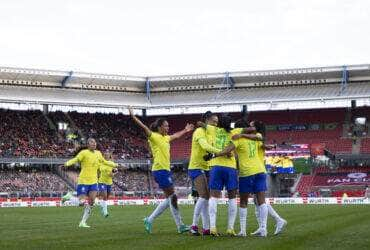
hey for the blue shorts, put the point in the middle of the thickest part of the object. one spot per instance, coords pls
(221, 177)
(83, 189)
(194, 173)
(253, 184)
(280, 170)
(289, 170)
(163, 178)
(105, 188)
(268, 167)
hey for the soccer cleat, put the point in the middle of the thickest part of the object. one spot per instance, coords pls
(230, 232)
(260, 233)
(194, 231)
(214, 232)
(280, 226)
(206, 232)
(67, 197)
(241, 234)
(183, 228)
(83, 224)
(147, 225)
(106, 215)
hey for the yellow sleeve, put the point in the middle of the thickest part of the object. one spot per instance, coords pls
(153, 137)
(207, 147)
(108, 163)
(259, 136)
(168, 138)
(200, 137)
(236, 143)
(78, 158)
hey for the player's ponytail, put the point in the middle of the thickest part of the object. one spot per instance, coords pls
(260, 128)
(156, 124)
(225, 122)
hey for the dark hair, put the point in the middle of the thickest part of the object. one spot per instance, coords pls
(242, 123)
(260, 127)
(207, 115)
(156, 124)
(225, 122)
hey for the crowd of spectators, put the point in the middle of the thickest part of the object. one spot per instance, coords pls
(31, 181)
(32, 134)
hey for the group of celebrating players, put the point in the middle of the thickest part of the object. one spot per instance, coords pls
(221, 157)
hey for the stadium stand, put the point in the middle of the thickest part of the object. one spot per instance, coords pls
(117, 133)
(31, 183)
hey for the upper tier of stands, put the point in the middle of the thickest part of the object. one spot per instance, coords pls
(30, 134)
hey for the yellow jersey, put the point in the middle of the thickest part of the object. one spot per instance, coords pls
(160, 147)
(220, 139)
(276, 161)
(199, 148)
(268, 160)
(286, 162)
(90, 162)
(251, 156)
(106, 176)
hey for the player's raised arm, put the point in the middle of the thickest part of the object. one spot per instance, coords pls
(77, 158)
(188, 128)
(148, 132)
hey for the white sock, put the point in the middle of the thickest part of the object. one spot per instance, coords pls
(273, 213)
(197, 210)
(87, 212)
(212, 211)
(205, 215)
(105, 206)
(263, 213)
(232, 211)
(257, 213)
(75, 201)
(243, 219)
(175, 213)
(159, 210)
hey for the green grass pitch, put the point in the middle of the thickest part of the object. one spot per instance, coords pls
(309, 227)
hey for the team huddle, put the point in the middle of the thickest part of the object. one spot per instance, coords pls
(222, 157)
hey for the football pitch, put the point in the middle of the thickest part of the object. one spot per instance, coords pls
(309, 227)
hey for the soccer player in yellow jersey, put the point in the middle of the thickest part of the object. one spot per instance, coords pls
(287, 165)
(258, 127)
(279, 164)
(159, 142)
(252, 177)
(90, 159)
(223, 173)
(199, 171)
(268, 163)
(105, 181)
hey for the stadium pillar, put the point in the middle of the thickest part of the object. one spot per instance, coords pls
(144, 113)
(45, 109)
(228, 81)
(147, 88)
(345, 78)
(66, 79)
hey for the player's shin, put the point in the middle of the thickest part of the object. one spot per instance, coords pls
(232, 211)
(159, 210)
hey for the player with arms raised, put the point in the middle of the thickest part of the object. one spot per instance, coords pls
(159, 142)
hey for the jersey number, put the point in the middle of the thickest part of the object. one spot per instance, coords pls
(252, 149)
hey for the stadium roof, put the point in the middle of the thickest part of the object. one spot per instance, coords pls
(260, 90)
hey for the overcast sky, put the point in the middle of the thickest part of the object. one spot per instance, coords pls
(191, 36)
